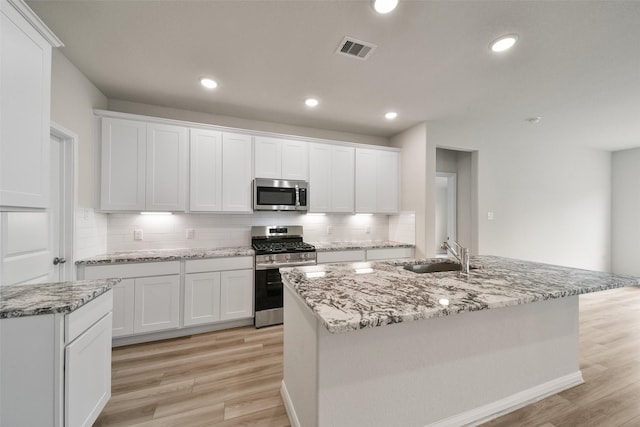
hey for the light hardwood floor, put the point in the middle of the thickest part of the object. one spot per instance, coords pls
(232, 378)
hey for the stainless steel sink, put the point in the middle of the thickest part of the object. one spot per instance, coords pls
(433, 267)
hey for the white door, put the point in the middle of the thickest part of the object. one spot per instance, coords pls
(56, 224)
(236, 294)
(206, 171)
(201, 298)
(166, 167)
(366, 180)
(157, 303)
(268, 158)
(295, 160)
(342, 179)
(236, 172)
(320, 177)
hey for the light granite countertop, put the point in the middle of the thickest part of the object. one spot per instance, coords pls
(354, 245)
(48, 298)
(164, 255)
(385, 293)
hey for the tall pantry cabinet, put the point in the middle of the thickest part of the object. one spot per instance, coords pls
(25, 93)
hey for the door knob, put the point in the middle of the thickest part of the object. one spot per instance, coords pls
(57, 261)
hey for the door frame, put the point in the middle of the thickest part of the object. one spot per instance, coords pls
(69, 171)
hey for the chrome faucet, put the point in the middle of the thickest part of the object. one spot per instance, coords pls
(460, 253)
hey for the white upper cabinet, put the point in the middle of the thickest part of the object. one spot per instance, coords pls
(206, 171)
(144, 166)
(25, 92)
(236, 172)
(166, 167)
(123, 164)
(331, 178)
(281, 158)
(377, 181)
(268, 158)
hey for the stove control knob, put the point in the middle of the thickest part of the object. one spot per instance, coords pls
(267, 258)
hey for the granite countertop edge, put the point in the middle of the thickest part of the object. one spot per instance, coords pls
(344, 301)
(151, 255)
(50, 298)
(355, 245)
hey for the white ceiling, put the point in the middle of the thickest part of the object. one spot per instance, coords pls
(577, 63)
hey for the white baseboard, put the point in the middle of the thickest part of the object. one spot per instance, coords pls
(288, 405)
(500, 407)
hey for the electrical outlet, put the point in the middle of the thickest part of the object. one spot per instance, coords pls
(137, 234)
(191, 233)
(490, 216)
(367, 230)
(329, 229)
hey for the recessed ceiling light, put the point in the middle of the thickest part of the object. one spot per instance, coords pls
(311, 102)
(384, 6)
(503, 43)
(534, 120)
(391, 115)
(208, 83)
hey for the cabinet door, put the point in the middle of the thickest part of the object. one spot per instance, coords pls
(25, 80)
(206, 171)
(268, 158)
(342, 179)
(236, 294)
(236, 172)
(123, 307)
(295, 160)
(157, 303)
(123, 165)
(319, 177)
(201, 298)
(87, 374)
(388, 182)
(366, 180)
(166, 167)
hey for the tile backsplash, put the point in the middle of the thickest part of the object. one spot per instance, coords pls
(225, 230)
(91, 233)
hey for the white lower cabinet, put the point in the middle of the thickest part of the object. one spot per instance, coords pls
(171, 295)
(56, 368)
(157, 303)
(236, 294)
(88, 374)
(123, 307)
(201, 298)
(218, 289)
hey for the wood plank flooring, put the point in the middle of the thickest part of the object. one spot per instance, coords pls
(232, 378)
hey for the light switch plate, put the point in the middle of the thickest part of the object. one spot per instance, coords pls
(490, 216)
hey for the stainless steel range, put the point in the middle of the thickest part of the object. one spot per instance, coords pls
(275, 247)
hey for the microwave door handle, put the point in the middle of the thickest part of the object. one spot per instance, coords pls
(297, 196)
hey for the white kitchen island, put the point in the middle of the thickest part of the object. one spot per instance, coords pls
(377, 345)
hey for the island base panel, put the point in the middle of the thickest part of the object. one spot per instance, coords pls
(447, 371)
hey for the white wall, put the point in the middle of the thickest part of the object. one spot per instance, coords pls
(417, 184)
(73, 99)
(625, 229)
(551, 201)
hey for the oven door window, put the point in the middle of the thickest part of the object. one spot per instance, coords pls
(269, 289)
(272, 196)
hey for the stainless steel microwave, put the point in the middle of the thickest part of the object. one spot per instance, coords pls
(279, 195)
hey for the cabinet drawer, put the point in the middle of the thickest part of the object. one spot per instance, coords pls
(218, 264)
(80, 320)
(341, 256)
(143, 269)
(389, 253)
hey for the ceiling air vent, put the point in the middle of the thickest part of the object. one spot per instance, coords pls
(355, 48)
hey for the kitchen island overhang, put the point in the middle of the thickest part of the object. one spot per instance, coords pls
(464, 365)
